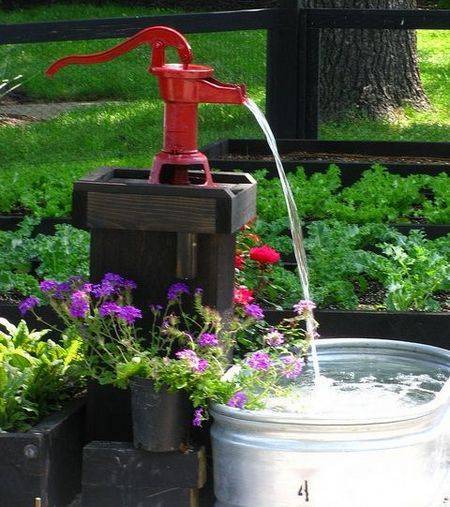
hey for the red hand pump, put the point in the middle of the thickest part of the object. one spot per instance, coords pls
(182, 87)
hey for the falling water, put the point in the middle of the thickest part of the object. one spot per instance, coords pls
(295, 226)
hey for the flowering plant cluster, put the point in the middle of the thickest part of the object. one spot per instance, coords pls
(190, 351)
(255, 264)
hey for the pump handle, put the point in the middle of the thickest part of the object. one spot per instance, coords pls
(158, 38)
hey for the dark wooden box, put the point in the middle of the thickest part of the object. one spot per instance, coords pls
(117, 475)
(44, 462)
(117, 198)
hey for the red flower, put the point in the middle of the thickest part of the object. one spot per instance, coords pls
(264, 254)
(243, 296)
(239, 261)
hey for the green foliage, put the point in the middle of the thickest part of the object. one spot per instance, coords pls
(25, 259)
(413, 269)
(437, 209)
(312, 195)
(378, 196)
(347, 261)
(36, 375)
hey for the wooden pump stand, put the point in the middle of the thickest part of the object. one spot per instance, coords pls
(157, 234)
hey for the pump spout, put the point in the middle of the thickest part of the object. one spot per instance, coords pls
(212, 91)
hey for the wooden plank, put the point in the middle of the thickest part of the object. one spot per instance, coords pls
(252, 147)
(156, 213)
(282, 74)
(87, 29)
(302, 72)
(311, 127)
(392, 19)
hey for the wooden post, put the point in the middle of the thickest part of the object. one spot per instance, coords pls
(282, 88)
(311, 125)
(159, 234)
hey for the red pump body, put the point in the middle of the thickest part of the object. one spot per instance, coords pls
(182, 87)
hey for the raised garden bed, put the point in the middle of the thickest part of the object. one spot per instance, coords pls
(419, 327)
(353, 157)
(44, 462)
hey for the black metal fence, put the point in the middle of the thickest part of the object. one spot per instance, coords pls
(293, 46)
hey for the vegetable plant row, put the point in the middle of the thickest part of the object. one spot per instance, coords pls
(371, 266)
(378, 196)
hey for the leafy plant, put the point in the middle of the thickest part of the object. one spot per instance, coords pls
(36, 375)
(413, 269)
(25, 259)
(437, 209)
(378, 196)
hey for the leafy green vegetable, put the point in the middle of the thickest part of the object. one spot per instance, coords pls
(36, 376)
(25, 259)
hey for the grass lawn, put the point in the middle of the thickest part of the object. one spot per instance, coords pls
(41, 159)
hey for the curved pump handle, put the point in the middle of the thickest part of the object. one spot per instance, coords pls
(158, 37)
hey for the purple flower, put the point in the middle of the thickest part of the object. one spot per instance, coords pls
(259, 360)
(197, 364)
(87, 287)
(48, 285)
(176, 290)
(155, 308)
(129, 314)
(274, 338)
(254, 311)
(304, 306)
(28, 303)
(238, 400)
(107, 309)
(63, 290)
(79, 305)
(198, 417)
(198, 291)
(293, 367)
(113, 279)
(202, 365)
(208, 340)
(103, 289)
(129, 284)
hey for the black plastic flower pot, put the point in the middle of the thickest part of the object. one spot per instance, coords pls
(161, 419)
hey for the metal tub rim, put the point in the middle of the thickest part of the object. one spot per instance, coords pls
(416, 416)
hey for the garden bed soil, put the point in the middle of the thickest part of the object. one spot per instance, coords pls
(353, 157)
(46, 226)
(44, 462)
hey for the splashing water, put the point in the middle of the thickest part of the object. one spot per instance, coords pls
(295, 226)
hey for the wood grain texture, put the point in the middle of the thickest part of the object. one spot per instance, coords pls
(156, 213)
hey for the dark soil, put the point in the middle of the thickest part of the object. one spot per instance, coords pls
(335, 158)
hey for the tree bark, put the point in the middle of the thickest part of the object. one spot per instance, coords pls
(373, 72)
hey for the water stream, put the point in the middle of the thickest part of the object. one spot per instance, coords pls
(295, 227)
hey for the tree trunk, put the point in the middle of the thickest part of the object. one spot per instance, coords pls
(373, 72)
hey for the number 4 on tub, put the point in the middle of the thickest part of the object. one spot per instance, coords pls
(304, 491)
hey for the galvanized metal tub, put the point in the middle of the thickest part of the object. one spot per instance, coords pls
(273, 459)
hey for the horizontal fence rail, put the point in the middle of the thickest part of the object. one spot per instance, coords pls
(89, 29)
(293, 45)
(382, 19)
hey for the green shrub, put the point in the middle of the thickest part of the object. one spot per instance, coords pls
(36, 376)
